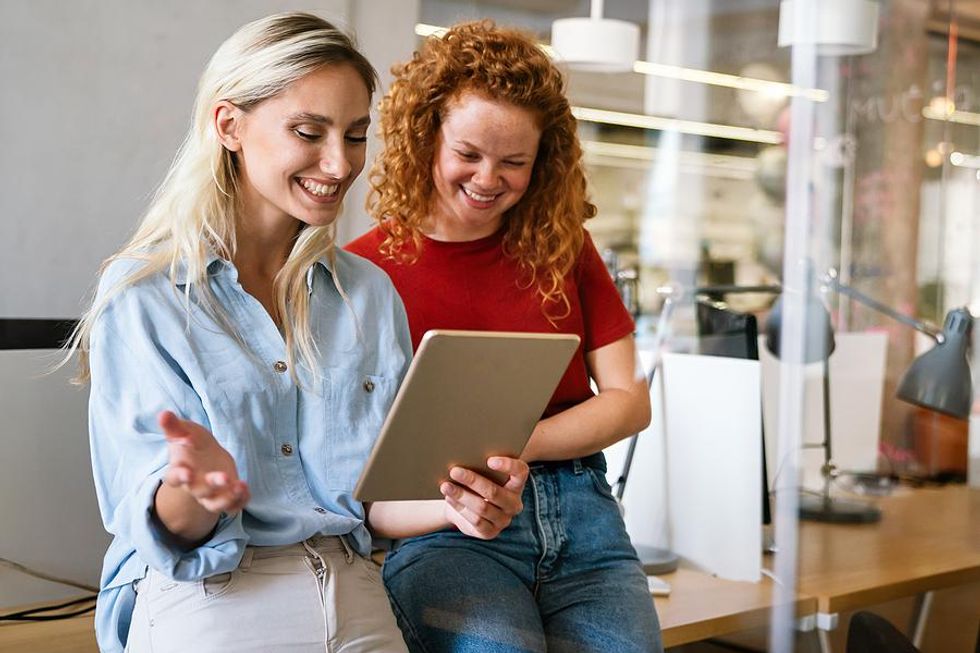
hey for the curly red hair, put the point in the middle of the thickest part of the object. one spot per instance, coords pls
(544, 229)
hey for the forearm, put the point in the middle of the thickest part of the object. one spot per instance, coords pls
(181, 517)
(591, 426)
(398, 519)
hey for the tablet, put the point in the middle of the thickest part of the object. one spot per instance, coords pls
(468, 395)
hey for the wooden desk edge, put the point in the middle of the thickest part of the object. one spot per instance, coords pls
(883, 593)
(729, 624)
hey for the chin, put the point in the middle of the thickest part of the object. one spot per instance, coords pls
(320, 218)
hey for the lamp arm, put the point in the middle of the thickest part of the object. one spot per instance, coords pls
(733, 289)
(834, 284)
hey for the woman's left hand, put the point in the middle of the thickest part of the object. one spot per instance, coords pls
(480, 507)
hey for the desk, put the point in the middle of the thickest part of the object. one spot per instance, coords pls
(928, 539)
(74, 635)
(701, 606)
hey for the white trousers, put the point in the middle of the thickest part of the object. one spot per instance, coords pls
(314, 596)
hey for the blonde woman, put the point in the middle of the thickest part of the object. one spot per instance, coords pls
(240, 369)
(480, 199)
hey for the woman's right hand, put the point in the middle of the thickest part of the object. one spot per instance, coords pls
(202, 467)
(480, 507)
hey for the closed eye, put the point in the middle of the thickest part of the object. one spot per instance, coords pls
(306, 136)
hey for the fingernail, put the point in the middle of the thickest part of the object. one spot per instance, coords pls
(459, 474)
(495, 463)
(449, 490)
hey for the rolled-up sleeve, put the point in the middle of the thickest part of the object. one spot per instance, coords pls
(133, 377)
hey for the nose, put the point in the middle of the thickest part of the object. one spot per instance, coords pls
(333, 161)
(486, 175)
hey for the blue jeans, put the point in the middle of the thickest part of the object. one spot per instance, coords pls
(562, 577)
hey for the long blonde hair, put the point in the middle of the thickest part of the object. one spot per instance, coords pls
(193, 211)
(544, 230)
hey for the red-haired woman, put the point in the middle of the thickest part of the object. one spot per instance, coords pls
(480, 199)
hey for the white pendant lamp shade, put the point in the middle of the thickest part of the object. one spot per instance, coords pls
(834, 27)
(596, 43)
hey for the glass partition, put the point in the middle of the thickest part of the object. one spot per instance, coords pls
(823, 154)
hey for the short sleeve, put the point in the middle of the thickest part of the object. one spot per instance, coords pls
(134, 376)
(604, 315)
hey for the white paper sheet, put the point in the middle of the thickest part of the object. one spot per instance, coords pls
(713, 426)
(857, 374)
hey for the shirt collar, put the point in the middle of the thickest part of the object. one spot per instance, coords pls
(327, 264)
(212, 263)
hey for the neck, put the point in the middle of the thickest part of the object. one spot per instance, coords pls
(451, 231)
(264, 246)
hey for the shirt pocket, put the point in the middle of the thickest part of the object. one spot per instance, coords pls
(358, 405)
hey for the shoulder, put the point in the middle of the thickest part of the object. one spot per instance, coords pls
(359, 274)
(120, 270)
(136, 294)
(588, 248)
(587, 259)
(367, 245)
(130, 280)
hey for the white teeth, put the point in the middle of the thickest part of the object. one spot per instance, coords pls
(321, 190)
(478, 197)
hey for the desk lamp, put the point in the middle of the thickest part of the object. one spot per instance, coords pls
(939, 379)
(818, 345)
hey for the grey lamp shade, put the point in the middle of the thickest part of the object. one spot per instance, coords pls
(940, 379)
(818, 331)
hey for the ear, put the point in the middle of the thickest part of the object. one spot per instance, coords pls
(228, 124)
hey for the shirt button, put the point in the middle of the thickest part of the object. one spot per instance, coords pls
(286, 449)
(280, 366)
(368, 385)
(320, 510)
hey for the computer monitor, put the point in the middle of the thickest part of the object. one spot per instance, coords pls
(728, 333)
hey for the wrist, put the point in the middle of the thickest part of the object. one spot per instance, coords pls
(180, 518)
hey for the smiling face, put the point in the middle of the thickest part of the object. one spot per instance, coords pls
(299, 151)
(484, 155)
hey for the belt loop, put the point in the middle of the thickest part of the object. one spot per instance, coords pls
(246, 559)
(577, 466)
(348, 551)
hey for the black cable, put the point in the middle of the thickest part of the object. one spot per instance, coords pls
(67, 615)
(31, 614)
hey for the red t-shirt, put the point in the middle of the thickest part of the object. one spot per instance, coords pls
(473, 285)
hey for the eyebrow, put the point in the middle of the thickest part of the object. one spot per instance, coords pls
(363, 121)
(516, 155)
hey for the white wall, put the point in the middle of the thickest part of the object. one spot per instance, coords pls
(96, 98)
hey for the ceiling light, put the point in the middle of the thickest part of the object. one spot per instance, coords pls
(963, 117)
(596, 43)
(766, 86)
(686, 74)
(834, 27)
(962, 160)
(660, 123)
(641, 156)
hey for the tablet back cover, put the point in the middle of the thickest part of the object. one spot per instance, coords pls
(468, 395)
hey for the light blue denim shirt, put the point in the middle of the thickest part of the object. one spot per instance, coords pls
(300, 449)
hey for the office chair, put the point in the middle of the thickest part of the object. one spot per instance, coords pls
(870, 633)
